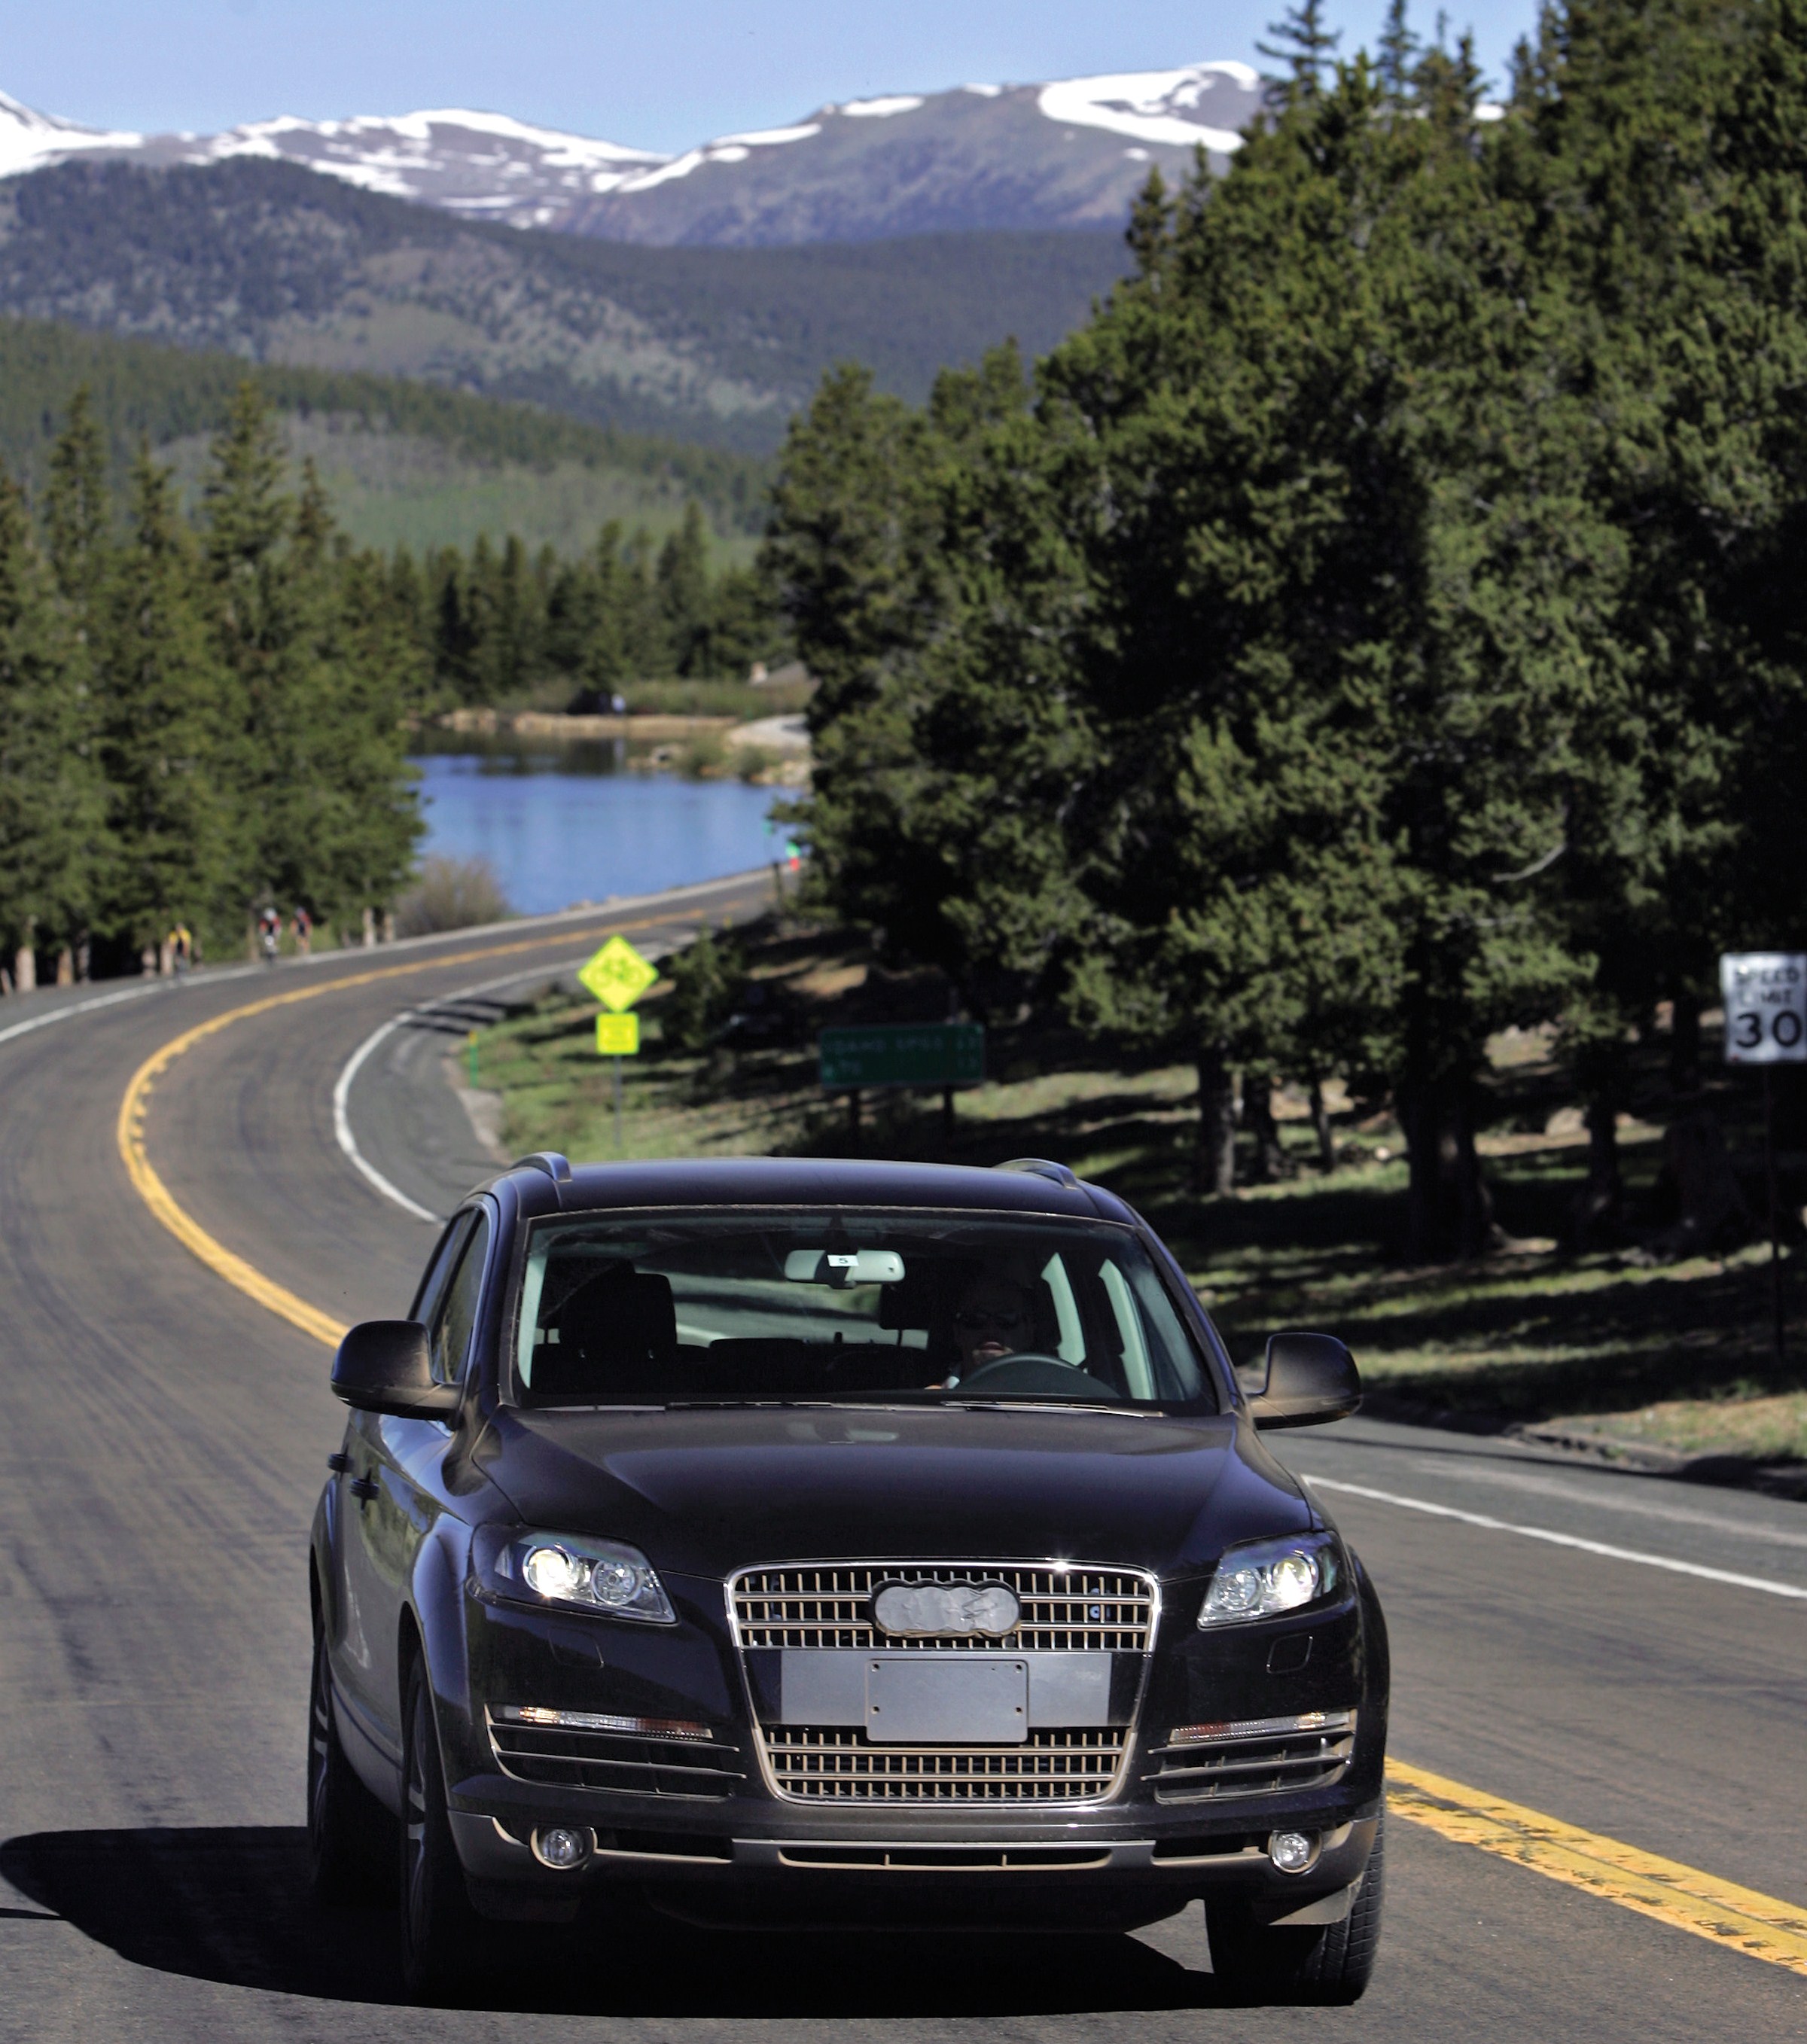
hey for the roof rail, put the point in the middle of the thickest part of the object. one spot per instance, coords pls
(1041, 1167)
(556, 1167)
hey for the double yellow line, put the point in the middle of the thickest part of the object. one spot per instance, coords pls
(151, 1188)
(1682, 1896)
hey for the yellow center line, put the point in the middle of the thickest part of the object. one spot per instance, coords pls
(241, 1275)
(1682, 1896)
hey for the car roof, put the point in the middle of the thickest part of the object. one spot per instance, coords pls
(1030, 1187)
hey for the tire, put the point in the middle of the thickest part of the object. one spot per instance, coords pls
(1331, 1964)
(441, 1934)
(351, 1851)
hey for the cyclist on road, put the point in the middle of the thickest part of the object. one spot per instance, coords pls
(269, 933)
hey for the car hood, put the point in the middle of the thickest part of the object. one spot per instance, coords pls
(705, 1492)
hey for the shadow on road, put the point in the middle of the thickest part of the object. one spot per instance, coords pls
(232, 1905)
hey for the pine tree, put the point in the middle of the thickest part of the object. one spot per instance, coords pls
(166, 730)
(1303, 44)
(1397, 53)
(681, 580)
(51, 837)
(76, 513)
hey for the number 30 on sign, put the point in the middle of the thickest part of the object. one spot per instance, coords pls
(1765, 1007)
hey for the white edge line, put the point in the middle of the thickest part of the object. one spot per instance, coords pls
(138, 990)
(147, 988)
(342, 1121)
(342, 1087)
(1564, 1539)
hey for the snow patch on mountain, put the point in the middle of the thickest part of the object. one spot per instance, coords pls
(29, 139)
(1165, 106)
(882, 109)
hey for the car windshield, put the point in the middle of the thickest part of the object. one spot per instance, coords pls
(841, 1306)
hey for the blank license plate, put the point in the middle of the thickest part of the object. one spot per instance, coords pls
(947, 1699)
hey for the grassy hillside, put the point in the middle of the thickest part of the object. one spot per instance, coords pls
(403, 461)
(279, 265)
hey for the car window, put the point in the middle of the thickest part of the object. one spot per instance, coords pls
(733, 1304)
(450, 1339)
(439, 1267)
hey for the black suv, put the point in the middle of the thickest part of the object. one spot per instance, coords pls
(799, 1542)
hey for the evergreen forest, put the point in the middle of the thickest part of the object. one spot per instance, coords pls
(1375, 628)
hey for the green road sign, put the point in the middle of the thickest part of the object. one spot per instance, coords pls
(903, 1054)
(617, 975)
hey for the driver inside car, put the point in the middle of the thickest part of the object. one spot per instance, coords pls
(994, 1319)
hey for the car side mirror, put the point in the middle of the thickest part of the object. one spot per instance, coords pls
(383, 1366)
(1311, 1378)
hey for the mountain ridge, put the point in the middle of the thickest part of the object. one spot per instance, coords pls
(1066, 153)
(719, 346)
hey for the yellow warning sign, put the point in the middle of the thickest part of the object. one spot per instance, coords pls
(618, 1035)
(617, 975)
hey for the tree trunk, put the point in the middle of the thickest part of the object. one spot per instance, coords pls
(1214, 1158)
(1321, 1129)
(84, 958)
(1697, 1174)
(370, 927)
(1685, 1047)
(1449, 1209)
(65, 967)
(388, 926)
(1599, 1204)
(25, 969)
(1258, 1112)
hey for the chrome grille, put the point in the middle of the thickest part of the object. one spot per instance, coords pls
(559, 1755)
(1254, 1757)
(1076, 1610)
(830, 1764)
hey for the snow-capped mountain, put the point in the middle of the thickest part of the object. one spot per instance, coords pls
(29, 141)
(1070, 153)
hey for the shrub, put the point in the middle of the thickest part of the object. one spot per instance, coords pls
(707, 978)
(702, 757)
(450, 894)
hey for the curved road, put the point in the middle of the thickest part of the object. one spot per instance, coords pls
(1625, 1655)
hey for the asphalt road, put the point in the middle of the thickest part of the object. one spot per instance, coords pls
(163, 1439)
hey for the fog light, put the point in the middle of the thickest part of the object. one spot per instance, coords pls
(560, 1847)
(1294, 1852)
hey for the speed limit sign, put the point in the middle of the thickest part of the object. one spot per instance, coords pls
(1765, 1007)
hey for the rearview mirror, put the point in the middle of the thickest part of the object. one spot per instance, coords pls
(843, 1267)
(383, 1366)
(1311, 1378)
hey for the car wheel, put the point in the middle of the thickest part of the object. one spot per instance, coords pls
(349, 1833)
(1331, 1963)
(441, 1931)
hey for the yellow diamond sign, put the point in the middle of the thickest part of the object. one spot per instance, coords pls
(617, 975)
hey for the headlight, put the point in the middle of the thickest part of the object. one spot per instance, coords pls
(1264, 1578)
(572, 1571)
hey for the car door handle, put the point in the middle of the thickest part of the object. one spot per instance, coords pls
(364, 1487)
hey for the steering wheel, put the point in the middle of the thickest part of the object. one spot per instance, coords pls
(1030, 1371)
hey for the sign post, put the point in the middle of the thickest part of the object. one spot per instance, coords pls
(617, 975)
(1765, 1023)
(945, 1054)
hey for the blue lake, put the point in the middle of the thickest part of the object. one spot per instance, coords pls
(576, 824)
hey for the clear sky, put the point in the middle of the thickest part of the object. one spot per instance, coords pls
(656, 76)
